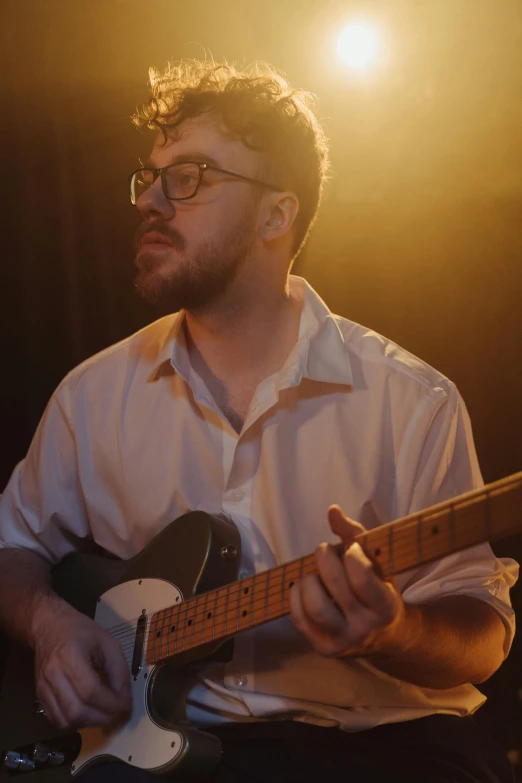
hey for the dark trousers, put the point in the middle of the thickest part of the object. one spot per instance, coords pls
(436, 749)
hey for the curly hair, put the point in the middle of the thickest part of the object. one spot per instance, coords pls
(258, 107)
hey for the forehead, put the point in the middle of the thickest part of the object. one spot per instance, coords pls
(203, 139)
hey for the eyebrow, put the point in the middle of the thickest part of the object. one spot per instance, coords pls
(196, 157)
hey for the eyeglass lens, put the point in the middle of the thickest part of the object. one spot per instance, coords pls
(181, 181)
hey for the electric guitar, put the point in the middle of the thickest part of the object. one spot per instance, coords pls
(177, 605)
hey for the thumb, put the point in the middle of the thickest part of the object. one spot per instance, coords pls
(343, 526)
(113, 670)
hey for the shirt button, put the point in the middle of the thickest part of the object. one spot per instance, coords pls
(240, 681)
(238, 495)
(244, 574)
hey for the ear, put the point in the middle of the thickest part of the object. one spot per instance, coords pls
(280, 212)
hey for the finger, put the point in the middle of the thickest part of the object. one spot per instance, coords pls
(93, 686)
(48, 702)
(369, 589)
(74, 711)
(321, 640)
(343, 526)
(318, 610)
(114, 671)
(335, 579)
(77, 678)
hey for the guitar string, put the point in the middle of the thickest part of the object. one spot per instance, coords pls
(221, 610)
(193, 602)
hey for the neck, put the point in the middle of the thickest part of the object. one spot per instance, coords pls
(241, 333)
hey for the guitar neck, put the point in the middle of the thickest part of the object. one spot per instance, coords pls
(487, 514)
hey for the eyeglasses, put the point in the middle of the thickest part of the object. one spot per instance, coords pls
(180, 181)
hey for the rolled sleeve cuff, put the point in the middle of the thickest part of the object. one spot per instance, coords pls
(475, 572)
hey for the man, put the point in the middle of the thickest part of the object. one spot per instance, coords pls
(254, 400)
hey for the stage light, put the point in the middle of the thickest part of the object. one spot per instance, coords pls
(357, 45)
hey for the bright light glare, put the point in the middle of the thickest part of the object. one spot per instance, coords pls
(356, 45)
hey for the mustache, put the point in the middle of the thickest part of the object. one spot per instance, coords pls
(159, 227)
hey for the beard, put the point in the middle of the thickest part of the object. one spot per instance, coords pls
(191, 281)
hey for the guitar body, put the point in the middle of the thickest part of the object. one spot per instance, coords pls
(194, 554)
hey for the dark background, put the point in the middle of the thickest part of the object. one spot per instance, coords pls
(419, 234)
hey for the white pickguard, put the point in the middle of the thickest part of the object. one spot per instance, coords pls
(139, 742)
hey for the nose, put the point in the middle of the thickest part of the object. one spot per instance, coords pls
(153, 203)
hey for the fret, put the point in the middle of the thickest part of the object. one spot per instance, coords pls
(405, 541)
(164, 633)
(152, 634)
(204, 619)
(266, 593)
(489, 521)
(245, 600)
(468, 530)
(252, 589)
(237, 609)
(390, 549)
(221, 611)
(283, 586)
(231, 608)
(163, 638)
(452, 527)
(226, 608)
(435, 536)
(195, 621)
(419, 538)
(174, 628)
(213, 618)
(377, 548)
(185, 610)
(273, 592)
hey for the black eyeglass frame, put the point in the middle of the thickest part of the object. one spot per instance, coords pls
(202, 168)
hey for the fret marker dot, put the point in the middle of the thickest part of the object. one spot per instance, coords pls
(189, 622)
(173, 629)
(290, 584)
(245, 613)
(209, 615)
(245, 590)
(434, 530)
(158, 634)
(377, 552)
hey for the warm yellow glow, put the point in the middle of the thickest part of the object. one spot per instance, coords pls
(356, 45)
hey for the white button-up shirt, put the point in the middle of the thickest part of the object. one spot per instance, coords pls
(132, 439)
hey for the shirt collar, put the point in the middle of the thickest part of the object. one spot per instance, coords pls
(320, 353)
(321, 345)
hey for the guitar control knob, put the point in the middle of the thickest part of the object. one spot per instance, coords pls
(26, 764)
(56, 757)
(18, 761)
(40, 753)
(229, 552)
(11, 759)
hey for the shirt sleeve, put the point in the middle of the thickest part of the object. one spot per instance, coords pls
(448, 467)
(41, 508)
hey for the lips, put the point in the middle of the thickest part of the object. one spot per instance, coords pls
(153, 238)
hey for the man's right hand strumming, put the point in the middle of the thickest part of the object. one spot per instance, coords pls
(82, 677)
